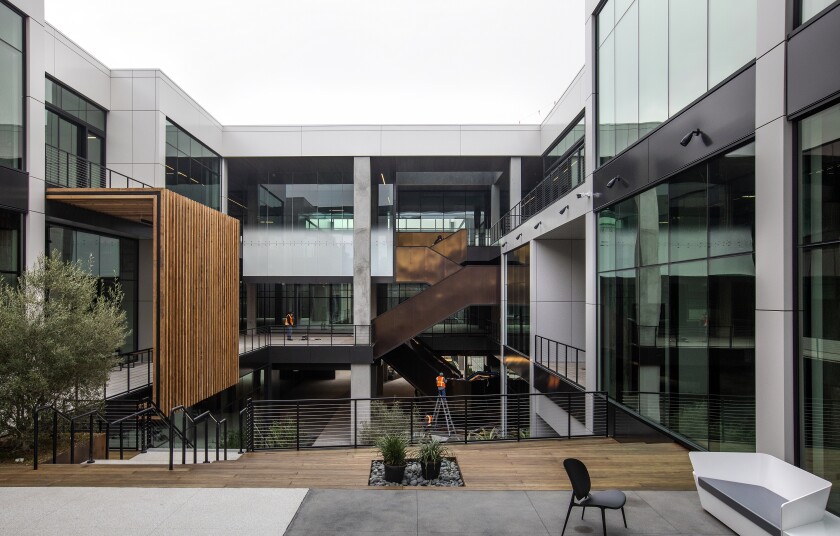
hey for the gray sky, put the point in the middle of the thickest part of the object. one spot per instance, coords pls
(341, 61)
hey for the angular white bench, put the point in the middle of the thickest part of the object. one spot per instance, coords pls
(758, 494)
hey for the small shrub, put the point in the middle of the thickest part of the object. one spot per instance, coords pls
(393, 448)
(484, 434)
(431, 451)
(384, 420)
(282, 434)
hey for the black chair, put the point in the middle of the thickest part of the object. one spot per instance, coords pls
(583, 497)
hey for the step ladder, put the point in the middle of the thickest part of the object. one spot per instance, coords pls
(442, 407)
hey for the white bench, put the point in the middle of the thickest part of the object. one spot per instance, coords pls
(758, 494)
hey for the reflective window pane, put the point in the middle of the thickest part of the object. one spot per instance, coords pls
(11, 98)
(11, 28)
(606, 239)
(819, 184)
(626, 233)
(627, 79)
(653, 225)
(732, 202)
(653, 64)
(193, 177)
(519, 299)
(731, 37)
(687, 52)
(687, 194)
(809, 8)
(606, 21)
(606, 100)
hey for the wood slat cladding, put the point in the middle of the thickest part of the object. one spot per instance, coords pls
(195, 290)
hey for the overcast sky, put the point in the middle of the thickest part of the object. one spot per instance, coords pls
(343, 61)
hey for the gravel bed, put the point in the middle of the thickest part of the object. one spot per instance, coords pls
(450, 475)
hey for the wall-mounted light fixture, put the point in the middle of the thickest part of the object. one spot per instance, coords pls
(538, 224)
(503, 244)
(564, 209)
(615, 180)
(519, 236)
(585, 194)
(688, 137)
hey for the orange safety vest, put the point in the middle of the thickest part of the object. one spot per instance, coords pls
(289, 320)
(441, 382)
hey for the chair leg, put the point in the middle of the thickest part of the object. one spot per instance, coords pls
(604, 521)
(568, 512)
(583, 513)
(624, 517)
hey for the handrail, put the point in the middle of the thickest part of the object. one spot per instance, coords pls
(126, 362)
(544, 345)
(194, 421)
(253, 339)
(56, 413)
(90, 415)
(71, 171)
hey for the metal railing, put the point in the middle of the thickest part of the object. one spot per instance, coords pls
(72, 171)
(560, 181)
(713, 422)
(564, 359)
(186, 418)
(88, 422)
(254, 339)
(300, 424)
(133, 371)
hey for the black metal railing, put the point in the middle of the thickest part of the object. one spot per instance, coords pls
(254, 339)
(564, 359)
(567, 176)
(300, 424)
(190, 423)
(71, 171)
(132, 372)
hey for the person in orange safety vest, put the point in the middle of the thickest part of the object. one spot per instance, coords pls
(441, 385)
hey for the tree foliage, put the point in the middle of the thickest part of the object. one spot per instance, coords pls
(59, 329)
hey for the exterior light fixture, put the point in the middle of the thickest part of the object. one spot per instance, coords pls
(503, 244)
(519, 236)
(564, 209)
(613, 181)
(585, 194)
(538, 224)
(687, 138)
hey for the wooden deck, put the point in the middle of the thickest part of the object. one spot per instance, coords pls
(530, 465)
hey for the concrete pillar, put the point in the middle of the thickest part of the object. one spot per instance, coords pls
(250, 305)
(774, 251)
(35, 220)
(515, 181)
(361, 388)
(361, 241)
(223, 186)
(268, 383)
(495, 203)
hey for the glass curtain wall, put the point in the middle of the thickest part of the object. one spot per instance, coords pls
(819, 296)
(657, 56)
(677, 293)
(519, 299)
(11, 224)
(806, 9)
(74, 138)
(11, 88)
(192, 169)
(316, 305)
(111, 259)
(442, 210)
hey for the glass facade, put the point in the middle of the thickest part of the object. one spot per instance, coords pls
(111, 259)
(657, 56)
(11, 88)
(192, 169)
(312, 304)
(559, 150)
(74, 138)
(819, 297)
(518, 287)
(11, 225)
(472, 320)
(677, 287)
(442, 210)
(808, 8)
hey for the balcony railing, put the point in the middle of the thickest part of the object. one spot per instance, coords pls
(71, 171)
(564, 359)
(561, 180)
(254, 339)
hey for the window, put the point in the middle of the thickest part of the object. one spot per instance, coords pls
(657, 56)
(519, 299)
(819, 296)
(193, 169)
(11, 88)
(809, 8)
(11, 224)
(677, 287)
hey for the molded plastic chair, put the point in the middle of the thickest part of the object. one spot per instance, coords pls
(583, 497)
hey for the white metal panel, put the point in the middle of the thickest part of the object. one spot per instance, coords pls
(341, 141)
(420, 141)
(79, 70)
(260, 141)
(500, 140)
(118, 142)
(144, 132)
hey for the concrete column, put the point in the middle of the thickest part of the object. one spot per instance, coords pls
(35, 219)
(250, 305)
(268, 383)
(362, 377)
(495, 202)
(774, 251)
(515, 181)
(223, 186)
(361, 241)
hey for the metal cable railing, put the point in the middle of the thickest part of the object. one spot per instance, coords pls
(254, 339)
(564, 178)
(132, 372)
(300, 424)
(564, 359)
(71, 171)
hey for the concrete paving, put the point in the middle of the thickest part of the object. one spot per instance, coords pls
(298, 512)
(146, 511)
(508, 513)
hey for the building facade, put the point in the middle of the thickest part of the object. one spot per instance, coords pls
(670, 229)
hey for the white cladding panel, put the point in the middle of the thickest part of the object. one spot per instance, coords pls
(75, 68)
(565, 111)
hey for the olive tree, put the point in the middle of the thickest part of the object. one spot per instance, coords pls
(59, 329)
